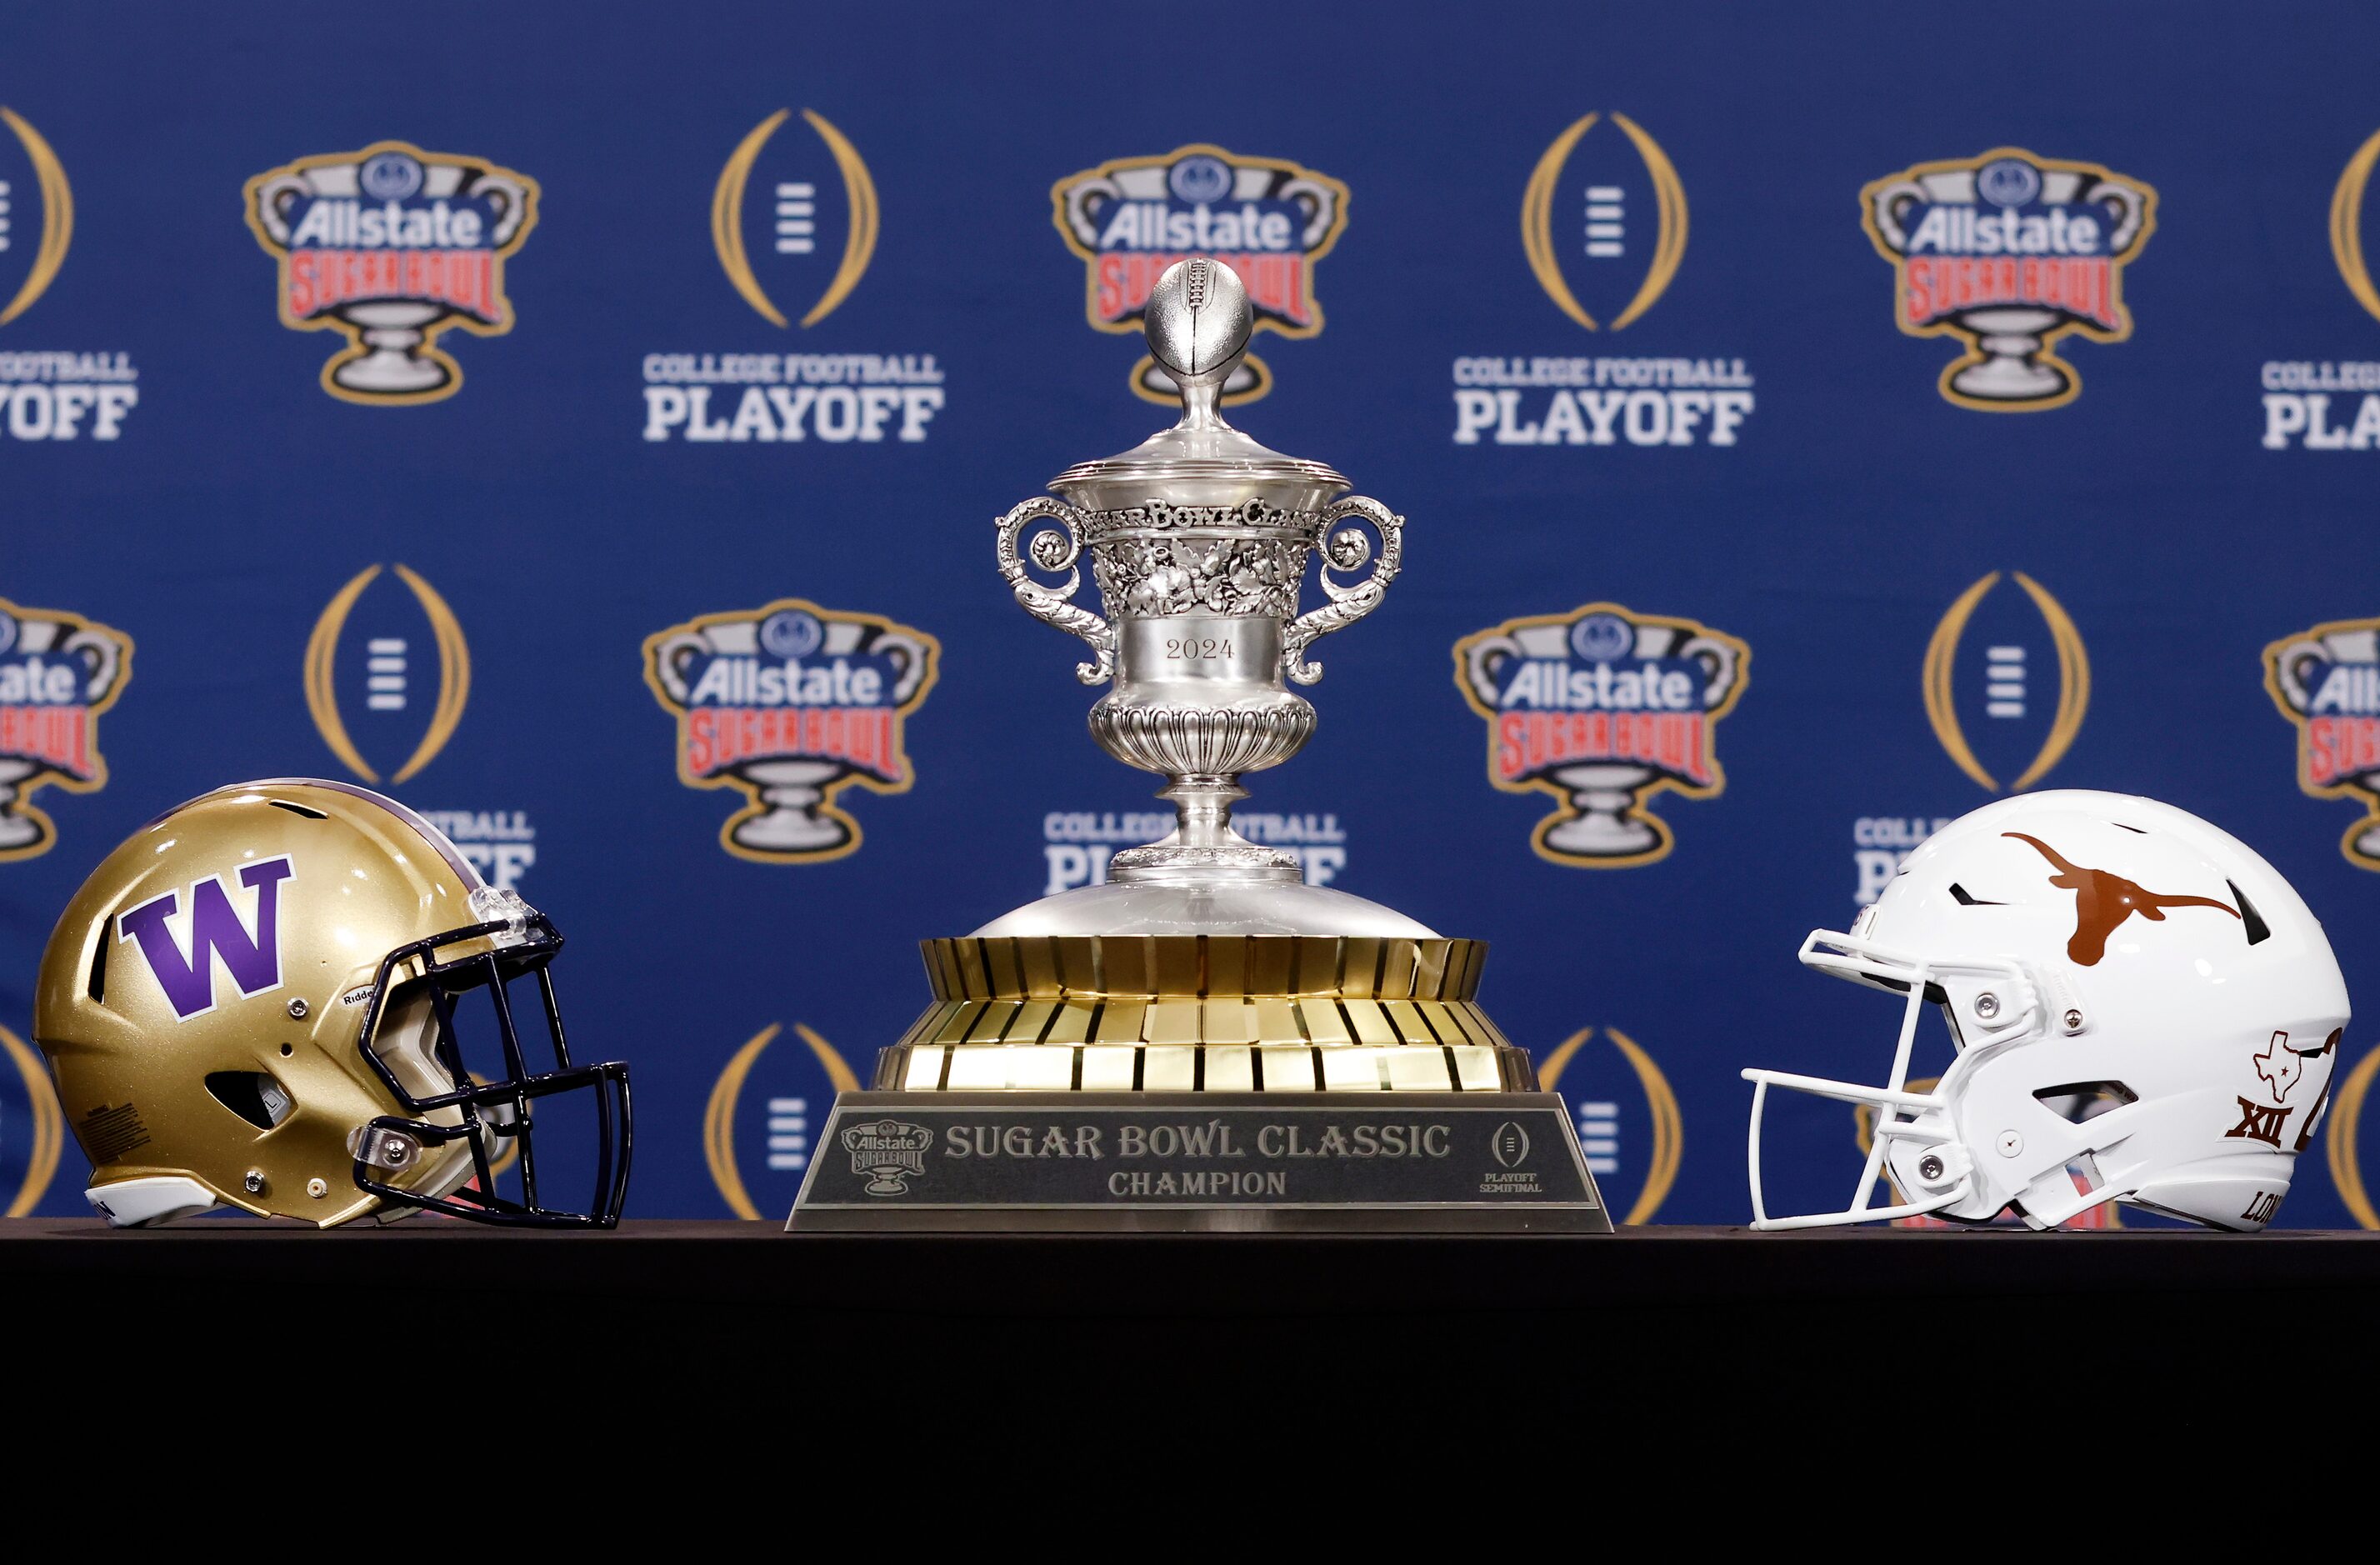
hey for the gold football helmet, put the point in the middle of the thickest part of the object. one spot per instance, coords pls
(251, 1003)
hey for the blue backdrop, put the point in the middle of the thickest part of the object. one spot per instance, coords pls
(1608, 301)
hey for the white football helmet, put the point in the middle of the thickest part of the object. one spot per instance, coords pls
(2131, 992)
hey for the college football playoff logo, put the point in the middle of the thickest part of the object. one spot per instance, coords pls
(2009, 251)
(52, 200)
(1268, 219)
(1603, 708)
(792, 703)
(1613, 222)
(381, 705)
(391, 246)
(2006, 691)
(58, 672)
(795, 251)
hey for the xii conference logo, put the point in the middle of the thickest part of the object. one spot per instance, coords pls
(2008, 252)
(391, 246)
(1604, 222)
(1269, 220)
(793, 222)
(47, 394)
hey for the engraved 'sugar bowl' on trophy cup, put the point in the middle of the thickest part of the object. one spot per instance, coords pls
(1205, 1041)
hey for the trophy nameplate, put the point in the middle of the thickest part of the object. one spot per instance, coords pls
(1422, 1162)
(1204, 996)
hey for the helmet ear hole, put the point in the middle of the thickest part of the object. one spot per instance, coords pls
(252, 1095)
(2078, 1101)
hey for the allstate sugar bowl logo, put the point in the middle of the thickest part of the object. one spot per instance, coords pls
(1603, 227)
(794, 221)
(792, 703)
(58, 672)
(2008, 252)
(45, 394)
(1268, 219)
(1603, 708)
(2326, 680)
(391, 246)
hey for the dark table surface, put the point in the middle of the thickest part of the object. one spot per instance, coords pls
(1779, 1336)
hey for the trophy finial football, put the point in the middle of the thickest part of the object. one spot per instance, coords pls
(1198, 322)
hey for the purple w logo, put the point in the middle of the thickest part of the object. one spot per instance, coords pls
(188, 974)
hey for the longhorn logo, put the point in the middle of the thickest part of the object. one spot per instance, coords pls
(2103, 900)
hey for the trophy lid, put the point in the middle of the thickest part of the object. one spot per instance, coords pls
(1198, 322)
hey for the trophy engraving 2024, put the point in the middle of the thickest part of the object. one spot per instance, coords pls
(1204, 1042)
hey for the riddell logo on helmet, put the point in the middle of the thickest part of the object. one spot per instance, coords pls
(182, 957)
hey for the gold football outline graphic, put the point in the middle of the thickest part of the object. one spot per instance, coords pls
(719, 1113)
(727, 218)
(1669, 1128)
(2073, 682)
(1536, 222)
(322, 667)
(57, 215)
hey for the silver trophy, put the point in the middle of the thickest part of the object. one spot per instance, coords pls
(1230, 1007)
(1199, 539)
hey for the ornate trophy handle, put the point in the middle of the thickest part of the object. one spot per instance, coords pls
(1055, 548)
(1348, 550)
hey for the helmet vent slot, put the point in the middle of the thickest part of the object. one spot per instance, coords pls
(97, 984)
(298, 809)
(252, 1095)
(2078, 1101)
(2250, 919)
(1965, 898)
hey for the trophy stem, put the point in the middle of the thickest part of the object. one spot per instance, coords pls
(1202, 842)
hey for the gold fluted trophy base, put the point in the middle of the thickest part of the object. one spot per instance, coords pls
(1204, 1013)
(1201, 1083)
